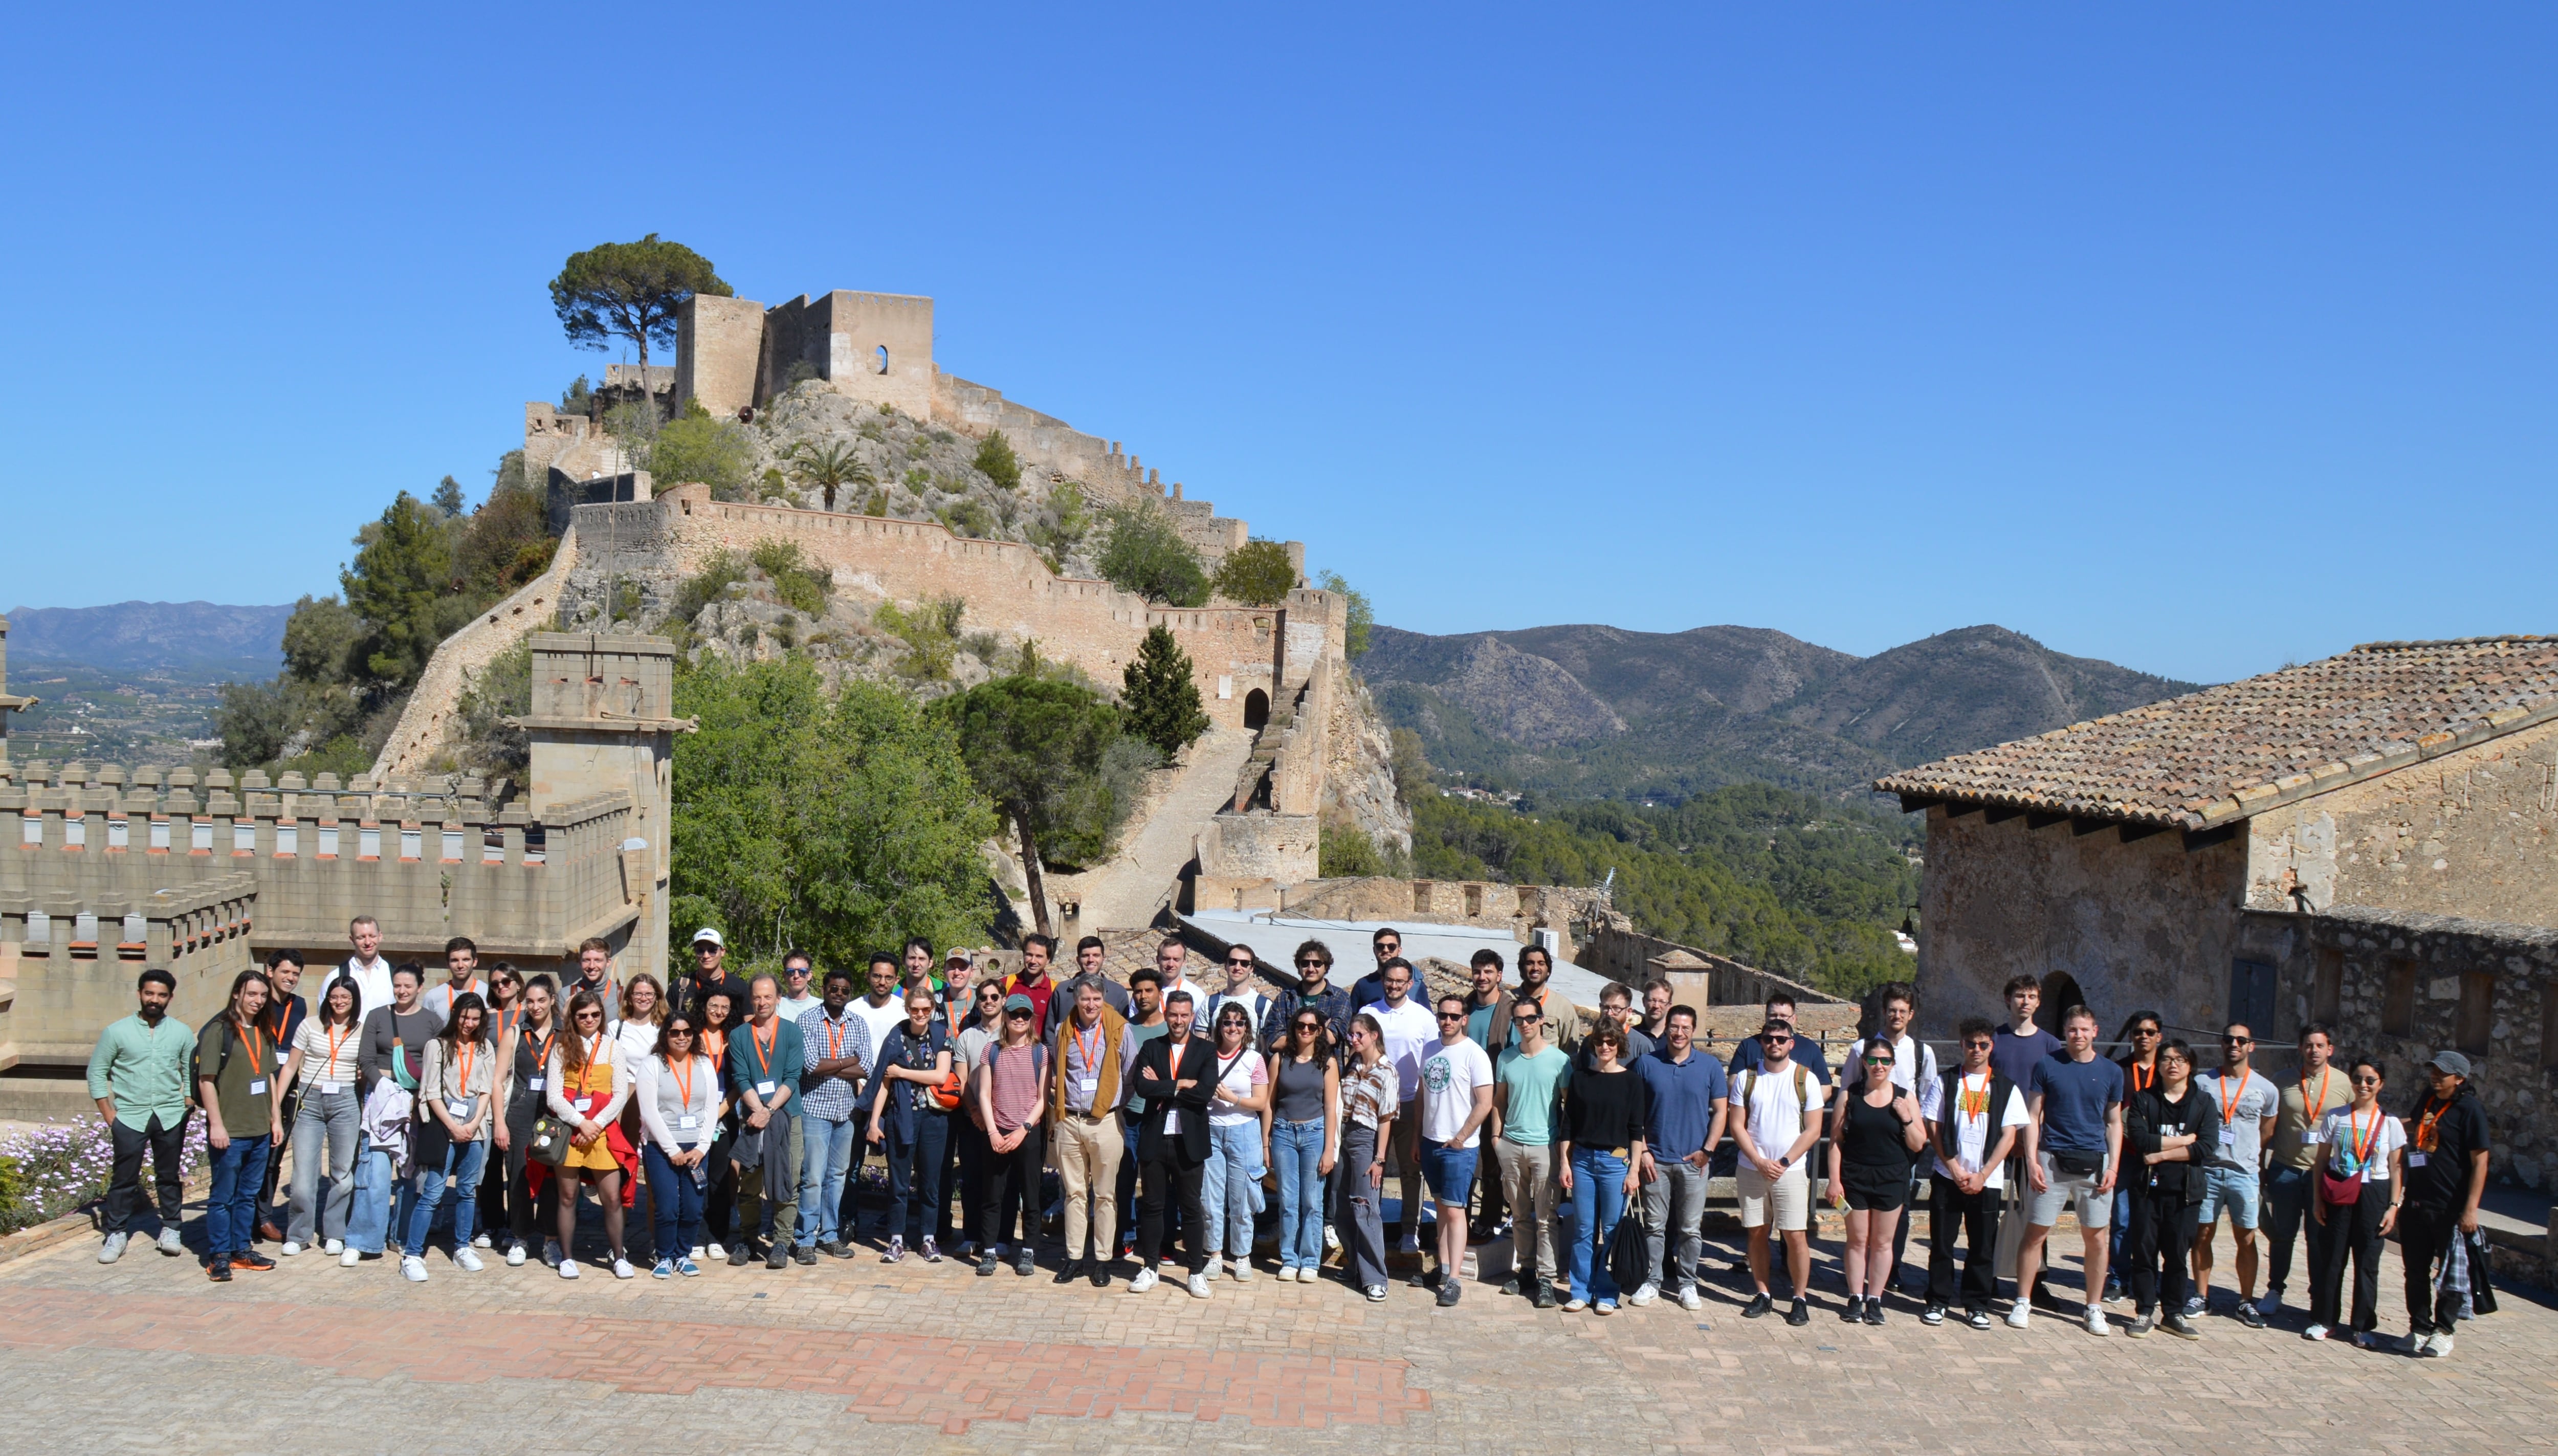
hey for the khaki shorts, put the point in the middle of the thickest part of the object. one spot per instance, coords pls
(1789, 1197)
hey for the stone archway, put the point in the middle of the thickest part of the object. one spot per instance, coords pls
(1256, 709)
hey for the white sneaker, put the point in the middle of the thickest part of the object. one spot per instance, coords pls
(1243, 1271)
(289, 1248)
(1690, 1299)
(482, 1240)
(713, 1250)
(1646, 1295)
(1211, 1270)
(515, 1256)
(413, 1269)
(334, 1246)
(2096, 1323)
(1199, 1287)
(170, 1242)
(1332, 1239)
(1143, 1282)
(2315, 1332)
(568, 1268)
(2439, 1347)
(113, 1249)
(2019, 1315)
(621, 1269)
(348, 1258)
(467, 1260)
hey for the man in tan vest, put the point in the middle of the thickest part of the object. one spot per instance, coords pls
(1088, 1080)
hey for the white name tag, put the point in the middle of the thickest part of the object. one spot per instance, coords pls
(257, 1088)
(532, 1084)
(688, 1121)
(1088, 1085)
(457, 1106)
(283, 1057)
(329, 1089)
(764, 1089)
(2415, 1160)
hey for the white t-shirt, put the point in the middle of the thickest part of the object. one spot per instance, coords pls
(1914, 1064)
(1448, 1082)
(438, 998)
(372, 984)
(2343, 1129)
(319, 1067)
(880, 1019)
(790, 1008)
(1247, 1072)
(1409, 1035)
(1776, 1111)
(1973, 1137)
(2248, 1102)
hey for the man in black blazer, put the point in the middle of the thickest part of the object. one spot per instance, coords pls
(1177, 1076)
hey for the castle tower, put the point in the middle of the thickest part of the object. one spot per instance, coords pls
(603, 720)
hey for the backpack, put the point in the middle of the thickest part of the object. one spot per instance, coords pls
(1802, 1093)
(195, 1069)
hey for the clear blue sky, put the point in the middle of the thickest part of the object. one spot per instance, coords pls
(2193, 337)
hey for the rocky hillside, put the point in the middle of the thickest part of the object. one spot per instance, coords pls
(1599, 711)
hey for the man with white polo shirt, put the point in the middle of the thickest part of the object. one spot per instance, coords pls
(1410, 1028)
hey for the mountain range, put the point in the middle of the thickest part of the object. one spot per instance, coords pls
(1592, 711)
(142, 637)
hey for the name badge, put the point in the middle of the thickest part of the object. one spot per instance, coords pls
(257, 1088)
(458, 1106)
(532, 1084)
(582, 1104)
(282, 1057)
(688, 1121)
(329, 1089)
(1088, 1085)
(764, 1089)
(2415, 1160)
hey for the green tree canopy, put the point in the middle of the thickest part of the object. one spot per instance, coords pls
(1363, 613)
(1036, 747)
(1147, 555)
(829, 466)
(404, 588)
(834, 823)
(631, 290)
(997, 462)
(696, 447)
(1257, 573)
(1158, 698)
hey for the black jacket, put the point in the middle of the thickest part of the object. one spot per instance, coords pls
(1154, 1073)
(2144, 1113)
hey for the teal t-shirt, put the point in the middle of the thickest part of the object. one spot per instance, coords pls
(1528, 1103)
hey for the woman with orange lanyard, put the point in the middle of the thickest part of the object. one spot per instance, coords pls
(644, 1011)
(907, 1118)
(285, 1013)
(323, 1065)
(587, 1089)
(456, 1095)
(2141, 1032)
(2361, 1175)
(719, 1202)
(679, 1101)
(505, 1007)
(523, 1055)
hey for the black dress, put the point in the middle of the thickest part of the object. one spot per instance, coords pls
(1874, 1154)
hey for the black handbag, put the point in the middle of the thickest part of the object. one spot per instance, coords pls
(2482, 1294)
(550, 1143)
(1629, 1253)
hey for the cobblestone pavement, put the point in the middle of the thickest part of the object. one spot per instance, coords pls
(146, 1354)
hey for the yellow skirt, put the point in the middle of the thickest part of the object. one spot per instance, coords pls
(597, 1157)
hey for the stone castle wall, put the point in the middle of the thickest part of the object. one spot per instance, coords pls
(427, 718)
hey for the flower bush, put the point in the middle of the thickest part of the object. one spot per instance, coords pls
(60, 1167)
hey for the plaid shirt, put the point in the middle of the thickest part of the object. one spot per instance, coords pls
(1332, 1003)
(830, 1096)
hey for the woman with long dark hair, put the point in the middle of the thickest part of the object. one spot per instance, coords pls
(323, 1065)
(523, 1055)
(2353, 1204)
(1371, 1097)
(1305, 1139)
(456, 1098)
(679, 1107)
(588, 1088)
(1876, 1139)
(719, 1202)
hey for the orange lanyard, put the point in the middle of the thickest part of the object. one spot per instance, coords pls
(2311, 1106)
(2229, 1103)
(593, 1049)
(834, 1037)
(684, 1071)
(336, 1039)
(716, 1043)
(2425, 1127)
(256, 1042)
(1974, 1103)
(763, 1041)
(2141, 1083)
(461, 1059)
(1090, 1052)
(542, 1050)
(2353, 1138)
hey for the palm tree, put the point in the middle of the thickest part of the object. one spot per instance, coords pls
(829, 466)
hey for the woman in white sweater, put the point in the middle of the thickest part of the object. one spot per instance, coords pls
(679, 1107)
(456, 1089)
(588, 1086)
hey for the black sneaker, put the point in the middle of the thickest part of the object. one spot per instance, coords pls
(803, 1255)
(219, 1271)
(1025, 1267)
(779, 1258)
(2113, 1292)
(1758, 1306)
(1428, 1279)
(835, 1248)
(2181, 1327)
(2141, 1325)
(1854, 1313)
(1545, 1295)
(986, 1266)
(2249, 1316)
(1979, 1319)
(738, 1256)
(1449, 1292)
(1934, 1313)
(1874, 1309)
(1071, 1272)
(1801, 1315)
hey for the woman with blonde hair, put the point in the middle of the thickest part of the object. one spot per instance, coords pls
(589, 1086)
(644, 1015)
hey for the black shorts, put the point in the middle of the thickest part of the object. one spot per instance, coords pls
(1874, 1190)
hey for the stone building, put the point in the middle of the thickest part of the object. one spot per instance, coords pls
(112, 868)
(2365, 840)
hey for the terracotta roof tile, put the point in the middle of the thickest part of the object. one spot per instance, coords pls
(2229, 752)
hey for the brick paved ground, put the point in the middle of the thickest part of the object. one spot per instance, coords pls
(147, 1353)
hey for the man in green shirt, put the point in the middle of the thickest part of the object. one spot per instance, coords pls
(766, 1058)
(1528, 1082)
(138, 1075)
(236, 1083)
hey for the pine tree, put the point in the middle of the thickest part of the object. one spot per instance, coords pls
(1158, 699)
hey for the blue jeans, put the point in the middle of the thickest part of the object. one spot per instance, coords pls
(2114, 1264)
(231, 1214)
(458, 1174)
(825, 1160)
(1230, 1188)
(2287, 1194)
(1298, 1149)
(1598, 1202)
(675, 1198)
(915, 1207)
(368, 1223)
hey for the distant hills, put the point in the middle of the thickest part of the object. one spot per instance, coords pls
(1603, 712)
(195, 637)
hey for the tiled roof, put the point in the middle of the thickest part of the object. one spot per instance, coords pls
(2225, 753)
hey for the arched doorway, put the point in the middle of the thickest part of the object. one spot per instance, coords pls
(2060, 993)
(1256, 709)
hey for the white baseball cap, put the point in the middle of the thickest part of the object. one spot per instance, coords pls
(712, 936)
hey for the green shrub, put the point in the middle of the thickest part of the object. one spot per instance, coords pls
(1344, 852)
(1257, 573)
(930, 632)
(1363, 614)
(1147, 555)
(967, 518)
(699, 448)
(796, 583)
(721, 570)
(995, 459)
(1158, 699)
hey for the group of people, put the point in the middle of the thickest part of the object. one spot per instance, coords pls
(734, 1114)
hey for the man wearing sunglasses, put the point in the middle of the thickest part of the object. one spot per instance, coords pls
(1240, 990)
(1387, 944)
(1974, 1115)
(2144, 1032)
(1315, 991)
(2245, 1101)
(1456, 1098)
(1776, 1119)
(1527, 1117)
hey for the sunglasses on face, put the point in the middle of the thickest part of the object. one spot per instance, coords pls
(673, 1032)
(2145, 1031)
(1452, 1016)
(2237, 1042)
(1309, 1026)
(1243, 961)
(2367, 1081)
(1525, 1018)
(1877, 1061)
(1774, 1039)
(1309, 962)
(1976, 1045)
(1017, 1016)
